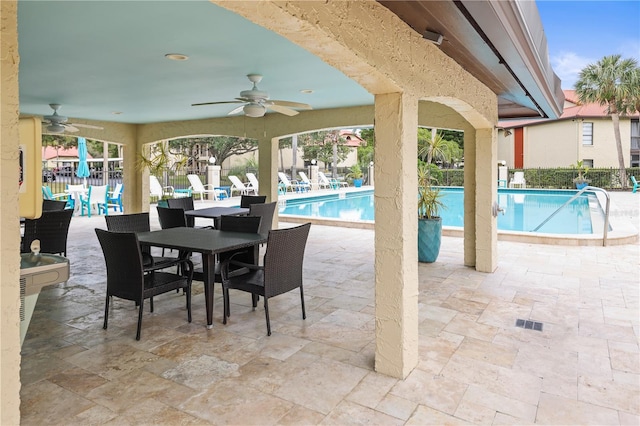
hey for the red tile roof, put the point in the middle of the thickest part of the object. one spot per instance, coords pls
(50, 153)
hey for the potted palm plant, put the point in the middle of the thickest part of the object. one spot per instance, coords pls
(429, 220)
(355, 174)
(581, 180)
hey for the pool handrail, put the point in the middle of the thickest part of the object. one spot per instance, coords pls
(606, 214)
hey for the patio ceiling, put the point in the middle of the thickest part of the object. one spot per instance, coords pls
(105, 60)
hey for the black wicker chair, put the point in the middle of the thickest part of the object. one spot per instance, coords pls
(53, 205)
(247, 200)
(127, 278)
(281, 273)
(184, 203)
(266, 212)
(52, 229)
(139, 222)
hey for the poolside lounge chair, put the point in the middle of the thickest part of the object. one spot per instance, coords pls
(518, 181)
(253, 181)
(636, 185)
(294, 185)
(197, 187)
(330, 183)
(305, 179)
(239, 186)
(157, 190)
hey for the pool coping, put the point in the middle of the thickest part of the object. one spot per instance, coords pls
(622, 232)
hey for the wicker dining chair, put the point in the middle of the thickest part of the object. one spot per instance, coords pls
(52, 229)
(139, 222)
(184, 203)
(127, 278)
(53, 205)
(248, 224)
(280, 273)
(266, 212)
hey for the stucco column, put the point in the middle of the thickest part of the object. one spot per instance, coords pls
(268, 170)
(396, 230)
(470, 198)
(9, 219)
(135, 196)
(486, 194)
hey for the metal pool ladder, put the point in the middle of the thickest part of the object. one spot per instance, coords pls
(606, 213)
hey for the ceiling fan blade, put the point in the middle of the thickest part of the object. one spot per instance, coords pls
(290, 104)
(282, 109)
(218, 102)
(86, 126)
(70, 128)
(236, 110)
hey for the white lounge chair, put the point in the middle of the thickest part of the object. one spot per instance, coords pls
(518, 181)
(305, 179)
(330, 183)
(238, 186)
(253, 183)
(293, 185)
(197, 187)
(157, 190)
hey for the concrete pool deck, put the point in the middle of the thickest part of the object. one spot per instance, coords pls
(475, 365)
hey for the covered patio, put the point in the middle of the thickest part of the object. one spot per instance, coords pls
(403, 80)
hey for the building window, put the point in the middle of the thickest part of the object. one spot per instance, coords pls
(635, 160)
(587, 163)
(635, 134)
(587, 133)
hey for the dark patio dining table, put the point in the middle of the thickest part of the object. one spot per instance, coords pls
(215, 213)
(208, 242)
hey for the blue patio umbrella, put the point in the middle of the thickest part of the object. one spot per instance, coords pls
(83, 167)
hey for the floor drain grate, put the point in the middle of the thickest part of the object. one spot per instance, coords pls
(529, 325)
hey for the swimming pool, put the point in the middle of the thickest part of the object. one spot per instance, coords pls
(525, 209)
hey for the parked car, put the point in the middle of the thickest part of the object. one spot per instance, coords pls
(64, 171)
(48, 175)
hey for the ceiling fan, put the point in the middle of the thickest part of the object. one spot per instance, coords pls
(256, 102)
(58, 123)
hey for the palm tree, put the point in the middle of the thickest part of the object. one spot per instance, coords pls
(613, 82)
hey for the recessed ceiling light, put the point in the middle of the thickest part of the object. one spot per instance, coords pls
(116, 112)
(306, 91)
(176, 56)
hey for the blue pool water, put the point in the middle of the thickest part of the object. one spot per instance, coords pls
(524, 209)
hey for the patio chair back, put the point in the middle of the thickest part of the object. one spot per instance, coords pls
(266, 211)
(53, 205)
(184, 203)
(52, 229)
(171, 218)
(247, 200)
(96, 196)
(115, 198)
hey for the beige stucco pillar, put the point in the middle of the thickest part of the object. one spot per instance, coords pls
(486, 179)
(396, 227)
(470, 198)
(9, 220)
(268, 170)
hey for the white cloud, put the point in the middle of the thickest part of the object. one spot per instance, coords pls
(568, 65)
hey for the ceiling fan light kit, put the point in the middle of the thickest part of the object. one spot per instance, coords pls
(256, 102)
(254, 110)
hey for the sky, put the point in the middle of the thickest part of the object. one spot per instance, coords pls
(580, 33)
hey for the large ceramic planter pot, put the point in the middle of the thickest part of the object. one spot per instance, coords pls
(357, 183)
(163, 203)
(580, 185)
(429, 238)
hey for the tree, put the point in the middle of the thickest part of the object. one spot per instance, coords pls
(220, 147)
(326, 146)
(615, 83)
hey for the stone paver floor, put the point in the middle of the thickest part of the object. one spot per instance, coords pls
(475, 366)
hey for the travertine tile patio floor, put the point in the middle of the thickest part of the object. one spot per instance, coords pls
(475, 366)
